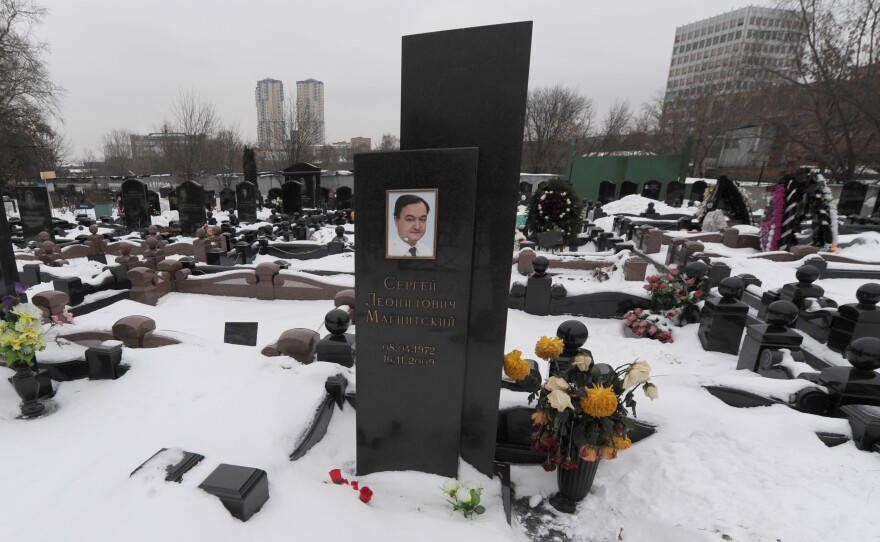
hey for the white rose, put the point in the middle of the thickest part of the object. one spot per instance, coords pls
(556, 383)
(638, 372)
(651, 391)
(451, 486)
(463, 495)
(559, 400)
(583, 362)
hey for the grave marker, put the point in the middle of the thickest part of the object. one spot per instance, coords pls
(134, 202)
(244, 333)
(246, 201)
(412, 312)
(191, 207)
(8, 268)
(35, 211)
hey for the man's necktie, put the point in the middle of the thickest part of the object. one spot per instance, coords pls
(412, 251)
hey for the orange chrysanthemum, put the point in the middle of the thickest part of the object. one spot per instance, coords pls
(548, 347)
(515, 367)
(599, 402)
(621, 443)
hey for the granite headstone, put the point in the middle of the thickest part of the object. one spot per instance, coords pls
(134, 202)
(35, 211)
(191, 207)
(246, 201)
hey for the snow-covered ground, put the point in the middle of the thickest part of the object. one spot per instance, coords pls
(711, 472)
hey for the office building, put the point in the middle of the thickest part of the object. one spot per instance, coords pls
(739, 51)
(310, 108)
(271, 130)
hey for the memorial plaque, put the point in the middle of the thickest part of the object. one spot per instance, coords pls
(8, 268)
(191, 207)
(412, 311)
(134, 203)
(35, 211)
(246, 201)
(241, 333)
(468, 88)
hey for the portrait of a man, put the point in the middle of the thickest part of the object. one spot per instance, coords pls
(411, 224)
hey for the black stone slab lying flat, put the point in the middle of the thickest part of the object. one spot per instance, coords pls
(242, 490)
(244, 333)
(740, 398)
(176, 470)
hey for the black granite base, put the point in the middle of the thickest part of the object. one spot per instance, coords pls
(242, 490)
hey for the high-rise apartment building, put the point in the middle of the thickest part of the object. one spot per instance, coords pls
(271, 129)
(310, 108)
(733, 51)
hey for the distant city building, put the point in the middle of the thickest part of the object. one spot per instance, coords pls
(148, 151)
(271, 129)
(361, 144)
(726, 53)
(310, 107)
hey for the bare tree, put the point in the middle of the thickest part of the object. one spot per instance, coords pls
(29, 99)
(225, 150)
(389, 142)
(116, 146)
(301, 144)
(553, 116)
(614, 126)
(829, 102)
(185, 138)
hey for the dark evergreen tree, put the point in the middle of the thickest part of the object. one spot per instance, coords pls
(249, 165)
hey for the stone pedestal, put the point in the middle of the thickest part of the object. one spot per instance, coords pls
(722, 320)
(242, 490)
(104, 361)
(538, 288)
(774, 334)
(856, 320)
(802, 290)
(338, 346)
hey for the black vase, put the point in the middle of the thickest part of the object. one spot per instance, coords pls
(28, 388)
(574, 485)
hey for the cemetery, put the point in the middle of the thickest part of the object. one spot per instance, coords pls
(676, 360)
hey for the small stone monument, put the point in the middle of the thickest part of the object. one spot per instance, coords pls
(856, 320)
(776, 333)
(338, 346)
(722, 320)
(538, 288)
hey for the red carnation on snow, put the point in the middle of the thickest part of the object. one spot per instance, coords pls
(366, 494)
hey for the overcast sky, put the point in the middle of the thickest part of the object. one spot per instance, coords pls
(122, 62)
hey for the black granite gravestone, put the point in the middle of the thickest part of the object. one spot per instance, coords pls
(468, 88)
(244, 333)
(154, 203)
(8, 267)
(538, 288)
(343, 197)
(191, 207)
(412, 312)
(852, 197)
(291, 197)
(309, 179)
(134, 203)
(35, 211)
(210, 200)
(227, 199)
(246, 201)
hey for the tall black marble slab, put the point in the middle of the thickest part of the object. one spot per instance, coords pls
(292, 197)
(154, 203)
(8, 269)
(246, 201)
(412, 312)
(468, 88)
(134, 202)
(191, 207)
(35, 211)
(227, 199)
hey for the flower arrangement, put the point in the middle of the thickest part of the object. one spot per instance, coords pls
(670, 291)
(518, 238)
(582, 411)
(365, 494)
(706, 205)
(825, 227)
(515, 367)
(555, 206)
(771, 226)
(465, 498)
(601, 274)
(21, 328)
(645, 323)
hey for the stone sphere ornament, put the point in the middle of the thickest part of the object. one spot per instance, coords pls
(340, 231)
(864, 354)
(573, 334)
(731, 287)
(807, 274)
(337, 321)
(782, 313)
(696, 269)
(540, 265)
(868, 294)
